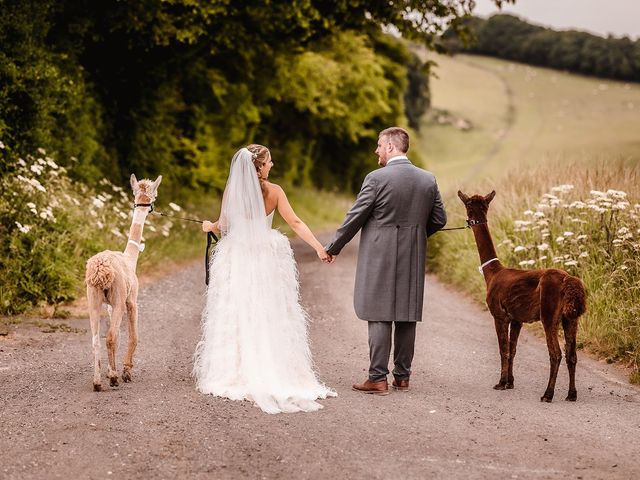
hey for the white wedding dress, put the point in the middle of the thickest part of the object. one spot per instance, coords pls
(254, 342)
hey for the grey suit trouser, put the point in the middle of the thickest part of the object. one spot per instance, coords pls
(380, 348)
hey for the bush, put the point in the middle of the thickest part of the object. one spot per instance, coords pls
(50, 225)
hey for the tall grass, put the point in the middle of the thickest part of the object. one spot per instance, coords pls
(583, 218)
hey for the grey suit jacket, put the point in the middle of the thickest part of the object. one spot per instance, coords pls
(398, 207)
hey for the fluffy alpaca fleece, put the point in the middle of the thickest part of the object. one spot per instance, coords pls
(111, 279)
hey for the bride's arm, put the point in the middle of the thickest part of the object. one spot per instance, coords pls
(297, 225)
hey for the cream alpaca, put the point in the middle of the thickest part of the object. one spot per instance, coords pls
(111, 279)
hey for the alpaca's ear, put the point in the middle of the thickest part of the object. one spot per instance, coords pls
(489, 197)
(463, 197)
(134, 181)
(156, 183)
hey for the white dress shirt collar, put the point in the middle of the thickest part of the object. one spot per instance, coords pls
(397, 157)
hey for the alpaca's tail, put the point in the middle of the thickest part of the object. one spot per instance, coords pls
(100, 272)
(574, 296)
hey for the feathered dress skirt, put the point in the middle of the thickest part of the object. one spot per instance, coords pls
(255, 343)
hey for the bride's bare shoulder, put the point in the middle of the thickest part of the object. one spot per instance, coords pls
(275, 188)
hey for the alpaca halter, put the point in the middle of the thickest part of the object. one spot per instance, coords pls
(481, 267)
(139, 245)
(470, 223)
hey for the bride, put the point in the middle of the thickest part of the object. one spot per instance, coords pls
(254, 342)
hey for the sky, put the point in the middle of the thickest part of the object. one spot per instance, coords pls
(617, 17)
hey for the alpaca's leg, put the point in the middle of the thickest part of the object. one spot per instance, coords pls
(132, 313)
(555, 356)
(95, 304)
(502, 331)
(112, 342)
(513, 342)
(570, 327)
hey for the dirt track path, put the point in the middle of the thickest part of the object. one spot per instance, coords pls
(452, 424)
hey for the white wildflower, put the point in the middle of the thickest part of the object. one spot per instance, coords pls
(117, 233)
(123, 215)
(538, 214)
(101, 197)
(578, 204)
(549, 196)
(23, 228)
(1, 145)
(565, 188)
(617, 242)
(165, 233)
(98, 203)
(581, 237)
(623, 267)
(100, 225)
(568, 234)
(519, 248)
(174, 207)
(42, 151)
(597, 193)
(545, 235)
(75, 201)
(528, 212)
(37, 169)
(31, 205)
(41, 162)
(623, 230)
(152, 228)
(584, 255)
(51, 163)
(543, 246)
(560, 239)
(621, 205)
(571, 263)
(37, 185)
(526, 263)
(521, 223)
(543, 257)
(619, 194)
(558, 259)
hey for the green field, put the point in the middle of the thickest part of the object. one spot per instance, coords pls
(523, 115)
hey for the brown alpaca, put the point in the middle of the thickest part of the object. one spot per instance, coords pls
(517, 296)
(111, 279)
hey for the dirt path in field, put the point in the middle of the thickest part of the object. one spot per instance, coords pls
(451, 424)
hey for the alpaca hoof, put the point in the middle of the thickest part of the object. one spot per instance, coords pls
(500, 386)
(546, 399)
(97, 387)
(126, 376)
(113, 381)
(572, 397)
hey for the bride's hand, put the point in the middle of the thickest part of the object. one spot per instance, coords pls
(323, 255)
(207, 226)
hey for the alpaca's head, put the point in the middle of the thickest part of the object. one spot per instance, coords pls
(477, 206)
(145, 190)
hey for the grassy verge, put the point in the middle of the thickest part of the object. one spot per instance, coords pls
(584, 218)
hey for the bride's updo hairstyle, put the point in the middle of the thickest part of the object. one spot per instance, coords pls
(260, 155)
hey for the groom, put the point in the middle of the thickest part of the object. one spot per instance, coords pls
(398, 207)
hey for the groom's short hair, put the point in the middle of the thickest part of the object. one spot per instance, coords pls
(398, 136)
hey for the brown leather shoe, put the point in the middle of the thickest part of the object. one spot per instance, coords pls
(400, 385)
(374, 388)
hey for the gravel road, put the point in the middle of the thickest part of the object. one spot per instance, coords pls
(451, 424)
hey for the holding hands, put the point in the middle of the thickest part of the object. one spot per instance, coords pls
(324, 256)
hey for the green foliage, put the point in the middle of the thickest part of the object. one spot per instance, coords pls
(50, 225)
(591, 228)
(506, 36)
